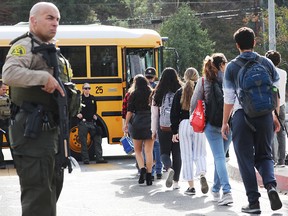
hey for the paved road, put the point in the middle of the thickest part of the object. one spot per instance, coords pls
(112, 189)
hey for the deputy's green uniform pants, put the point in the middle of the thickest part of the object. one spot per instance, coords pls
(40, 185)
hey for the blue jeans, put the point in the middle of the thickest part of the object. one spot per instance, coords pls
(253, 149)
(157, 157)
(219, 147)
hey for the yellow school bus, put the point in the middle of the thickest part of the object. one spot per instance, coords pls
(107, 57)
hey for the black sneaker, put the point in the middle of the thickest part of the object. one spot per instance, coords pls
(152, 178)
(275, 201)
(252, 208)
(190, 191)
(159, 176)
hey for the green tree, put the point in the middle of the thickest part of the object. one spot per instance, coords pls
(76, 12)
(281, 20)
(16, 11)
(186, 35)
(5, 12)
(72, 11)
(139, 13)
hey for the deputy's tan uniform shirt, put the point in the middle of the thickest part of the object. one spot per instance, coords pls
(26, 73)
(23, 68)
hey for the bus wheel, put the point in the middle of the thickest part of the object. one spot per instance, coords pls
(75, 144)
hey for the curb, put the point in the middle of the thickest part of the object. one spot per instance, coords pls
(281, 175)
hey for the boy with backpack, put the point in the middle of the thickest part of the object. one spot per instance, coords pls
(254, 121)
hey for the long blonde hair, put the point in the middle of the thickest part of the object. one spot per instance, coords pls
(190, 76)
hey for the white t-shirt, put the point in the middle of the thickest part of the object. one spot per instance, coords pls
(282, 86)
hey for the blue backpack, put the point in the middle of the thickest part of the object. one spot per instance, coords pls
(257, 94)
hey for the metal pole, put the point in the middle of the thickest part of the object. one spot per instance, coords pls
(271, 17)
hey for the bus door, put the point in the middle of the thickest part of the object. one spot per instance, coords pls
(137, 60)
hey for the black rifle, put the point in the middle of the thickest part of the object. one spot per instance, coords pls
(49, 52)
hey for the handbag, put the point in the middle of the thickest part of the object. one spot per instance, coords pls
(198, 119)
(127, 144)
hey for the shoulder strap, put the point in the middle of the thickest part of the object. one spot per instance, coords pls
(19, 38)
(239, 61)
(203, 88)
(259, 59)
(27, 34)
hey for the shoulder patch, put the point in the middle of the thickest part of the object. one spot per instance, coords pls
(18, 50)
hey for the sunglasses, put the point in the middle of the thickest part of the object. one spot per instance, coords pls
(87, 88)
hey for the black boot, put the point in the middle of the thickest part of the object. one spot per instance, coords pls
(148, 179)
(142, 175)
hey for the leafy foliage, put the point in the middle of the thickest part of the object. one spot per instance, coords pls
(215, 22)
(281, 16)
(185, 34)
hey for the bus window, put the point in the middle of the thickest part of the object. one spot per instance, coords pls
(138, 60)
(103, 61)
(76, 56)
(135, 65)
(3, 53)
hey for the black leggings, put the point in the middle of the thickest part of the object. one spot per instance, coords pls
(166, 148)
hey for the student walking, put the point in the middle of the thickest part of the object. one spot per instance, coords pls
(252, 137)
(279, 146)
(192, 145)
(213, 69)
(138, 118)
(150, 74)
(168, 84)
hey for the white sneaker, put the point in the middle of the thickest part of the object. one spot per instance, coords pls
(176, 186)
(169, 180)
(216, 196)
(226, 199)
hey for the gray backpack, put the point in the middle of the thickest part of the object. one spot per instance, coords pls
(165, 110)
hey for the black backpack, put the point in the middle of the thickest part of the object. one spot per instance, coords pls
(214, 104)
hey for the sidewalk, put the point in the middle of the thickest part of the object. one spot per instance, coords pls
(281, 174)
